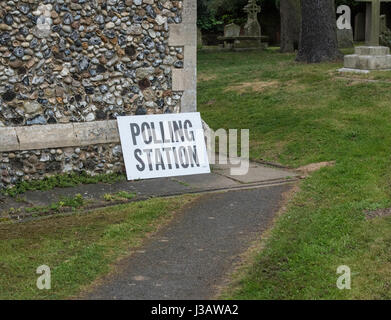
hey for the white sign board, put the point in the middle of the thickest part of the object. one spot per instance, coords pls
(166, 145)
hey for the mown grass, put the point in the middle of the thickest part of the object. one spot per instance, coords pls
(78, 248)
(300, 114)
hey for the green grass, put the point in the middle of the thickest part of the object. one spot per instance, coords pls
(78, 248)
(300, 114)
(119, 196)
(73, 203)
(62, 181)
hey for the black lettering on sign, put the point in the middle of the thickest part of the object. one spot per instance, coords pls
(183, 157)
(145, 128)
(141, 165)
(193, 156)
(135, 130)
(175, 157)
(161, 124)
(155, 139)
(189, 134)
(159, 160)
(148, 152)
(167, 151)
(178, 131)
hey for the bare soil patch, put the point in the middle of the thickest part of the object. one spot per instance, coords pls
(256, 86)
(205, 77)
(294, 86)
(315, 167)
(377, 213)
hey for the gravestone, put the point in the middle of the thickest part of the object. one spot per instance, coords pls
(359, 27)
(251, 38)
(232, 30)
(66, 79)
(345, 38)
(372, 56)
(372, 21)
(252, 26)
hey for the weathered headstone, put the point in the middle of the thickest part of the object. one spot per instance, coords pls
(359, 27)
(232, 30)
(345, 38)
(251, 38)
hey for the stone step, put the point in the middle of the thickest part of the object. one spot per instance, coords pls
(367, 62)
(372, 51)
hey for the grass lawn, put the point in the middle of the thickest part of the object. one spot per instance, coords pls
(300, 114)
(78, 248)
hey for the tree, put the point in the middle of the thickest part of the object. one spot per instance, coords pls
(290, 24)
(318, 40)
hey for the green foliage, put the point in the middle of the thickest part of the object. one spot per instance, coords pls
(385, 38)
(74, 203)
(212, 14)
(350, 3)
(230, 18)
(208, 23)
(122, 195)
(62, 181)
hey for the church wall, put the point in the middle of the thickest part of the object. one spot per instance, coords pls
(68, 68)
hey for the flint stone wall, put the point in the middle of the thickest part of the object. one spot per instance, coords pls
(61, 88)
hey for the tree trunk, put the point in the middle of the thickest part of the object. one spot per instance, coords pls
(318, 40)
(290, 25)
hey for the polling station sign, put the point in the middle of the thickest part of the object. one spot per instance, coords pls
(166, 145)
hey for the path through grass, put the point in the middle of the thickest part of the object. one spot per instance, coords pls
(300, 114)
(78, 248)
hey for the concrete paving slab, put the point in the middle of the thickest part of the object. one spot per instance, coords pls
(230, 162)
(161, 186)
(88, 191)
(143, 188)
(259, 173)
(207, 181)
(220, 179)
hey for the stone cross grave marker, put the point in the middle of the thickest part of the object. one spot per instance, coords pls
(252, 27)
(252, 9)
(373, 20)
(359, 27)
